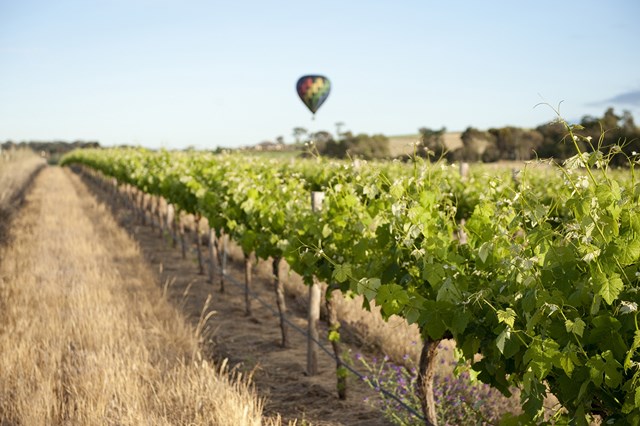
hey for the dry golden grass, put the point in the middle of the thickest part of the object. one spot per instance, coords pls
(16, 168)
(86, 336)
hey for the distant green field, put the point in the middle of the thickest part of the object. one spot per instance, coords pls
(398, 145)
(403, 144)
(273, 154)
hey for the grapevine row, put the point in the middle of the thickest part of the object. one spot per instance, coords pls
(541, 277)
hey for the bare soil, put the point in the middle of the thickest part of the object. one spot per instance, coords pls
(251, 344)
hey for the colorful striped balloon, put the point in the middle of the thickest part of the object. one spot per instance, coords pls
(313, 90)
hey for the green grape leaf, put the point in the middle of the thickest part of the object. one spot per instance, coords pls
(431, 320)
(392, 298)
(628, 250)
(533, 405)
(460, 322)
(612, 373)
(484, 251)
(608, 287)
(412, 315)
(583, 389)
(596, 366)
(541, 355)
(507, 316)
(595, 304)
(448, 292)
(371, 190)
(575, 327)
(326, 230)
(341, 273)
(605, 368)
(368, 287)
(634, 347)
(566, 363)
(502, 337)
(434, 273)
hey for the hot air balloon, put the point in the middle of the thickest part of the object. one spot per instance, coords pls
(313, 90)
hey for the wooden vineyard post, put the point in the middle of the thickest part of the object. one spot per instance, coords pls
(222, 257)
(183, 242)
(123, 190)
(213, 255)
(134, 201)
(314, 316)
(131, 195)
(464, 170)
(122, 196)
(144, 206)
(334, 338)
(199, 244)
(118, 200)
(460, 234)
(130, 200)
(314, 304)
(247, 284)
(153, 212)
(150, 208)
(161, 222)
(171, 224)
(280, 300)
(515, 176)
(426, 373)
(141, 207)
(114, 189)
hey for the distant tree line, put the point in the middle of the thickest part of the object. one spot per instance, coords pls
(610, 132)
(361, 145)
(50, 148)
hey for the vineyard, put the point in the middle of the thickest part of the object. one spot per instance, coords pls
(534, 274)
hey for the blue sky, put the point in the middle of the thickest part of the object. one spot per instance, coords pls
(169, 73)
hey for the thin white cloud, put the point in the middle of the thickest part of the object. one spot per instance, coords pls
(627, 98)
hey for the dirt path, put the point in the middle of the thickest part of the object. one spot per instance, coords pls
(252, 344)
(86, 336)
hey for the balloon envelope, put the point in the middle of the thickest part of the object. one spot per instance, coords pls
(313, 90)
